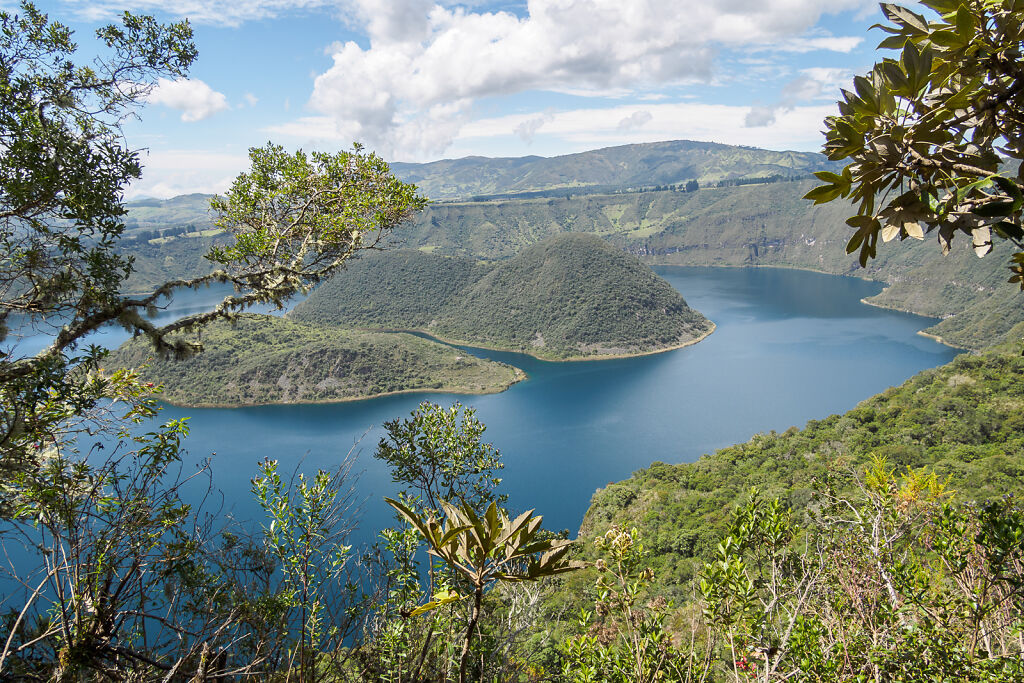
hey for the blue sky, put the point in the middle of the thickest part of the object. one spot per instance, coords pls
(418, 80)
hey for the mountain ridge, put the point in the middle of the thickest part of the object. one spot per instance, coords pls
(617, 167)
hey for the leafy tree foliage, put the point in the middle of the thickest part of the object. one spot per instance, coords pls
(889, 581)
(63, 167)
(110, 574)
(438, 454)
(483, 550)
(132, 582)
(434, 622)
(625, 637)
(925, 130)
(310, 519)
(293, 218)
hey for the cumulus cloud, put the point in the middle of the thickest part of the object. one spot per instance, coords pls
(194, 98)
(635, 120)
(168, 173)
(813, 83)
(527, 129)
(429, 62)
(759, 116)
(251, 99)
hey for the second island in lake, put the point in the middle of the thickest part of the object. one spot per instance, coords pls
(569, 297)
(266, 359)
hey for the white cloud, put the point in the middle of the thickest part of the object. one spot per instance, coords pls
(759, 116)
(194, 98)
(843, 44)
(430, 62)
(527, 129)
(168, 173)
(321, 128)
(583, 129)
(635, 120)
(830, 79)
(814, 83)
(251, 99)
(215, 12)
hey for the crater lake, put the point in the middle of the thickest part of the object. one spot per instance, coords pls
(790, 346)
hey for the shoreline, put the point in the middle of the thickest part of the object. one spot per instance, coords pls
(568, 359)
(518, 376)
(937, 338)
(865, 300)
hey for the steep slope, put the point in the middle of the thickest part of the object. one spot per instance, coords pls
(964, 419)
(402, 289)
(266, 359)
(753, 225)
(641, 165)
(569, 296)
(575, 295)
(184, 209)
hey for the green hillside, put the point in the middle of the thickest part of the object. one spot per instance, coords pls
(751, 225)
(611, 168)
(268, 359)
(568, 296)
(757, 224)
(964, 419)
(184, 209)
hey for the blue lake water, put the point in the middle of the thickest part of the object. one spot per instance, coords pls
(790, 346)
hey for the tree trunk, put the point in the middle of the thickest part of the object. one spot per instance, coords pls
(474, 615)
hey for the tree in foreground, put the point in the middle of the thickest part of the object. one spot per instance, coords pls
(433, 622)
(934, 134)
(292, 220)
(483, 550)
(130, 582)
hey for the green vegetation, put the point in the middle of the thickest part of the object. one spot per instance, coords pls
(963, 420)
(753, 225)
(928, 134)
(569, 296)
(117, 577)
(747, 225)
(267, 359)
(853, 560)
(612, 168)
(435, 620)
(145, 215)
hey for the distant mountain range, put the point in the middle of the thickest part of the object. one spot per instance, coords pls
(603, 170)
(609, 169)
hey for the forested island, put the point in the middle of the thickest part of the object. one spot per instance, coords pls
(571, 296)
(263, 359)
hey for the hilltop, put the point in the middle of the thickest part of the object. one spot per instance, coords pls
(608, 169)
(569, 296)
(266, 359)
